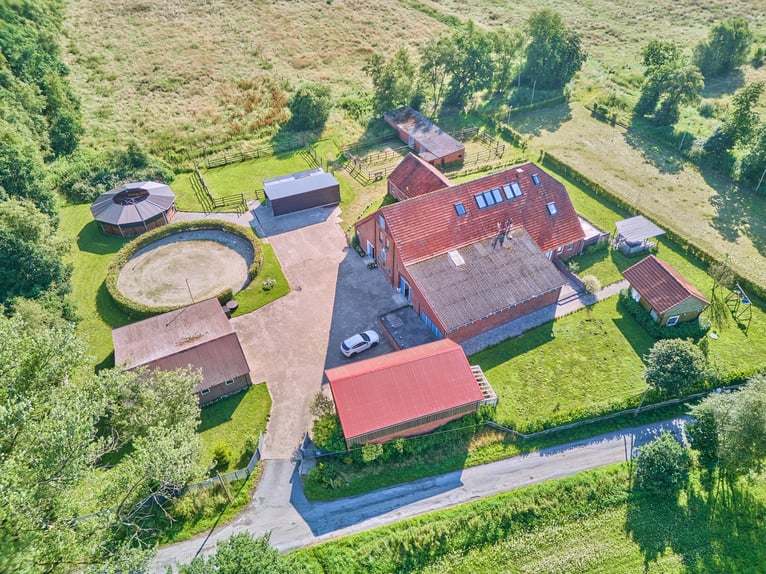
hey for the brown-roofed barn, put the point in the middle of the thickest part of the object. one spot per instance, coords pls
(134, 208)
(199, 336)
(473, 256)
(664, 292)
(431, 143)
(406, 393)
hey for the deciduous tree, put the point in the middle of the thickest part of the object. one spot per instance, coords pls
(310, 106)
(662, 466)
(726, 47)
(674, 365)
(554, 53)
(242, 553)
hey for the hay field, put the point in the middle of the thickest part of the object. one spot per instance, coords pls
(174, 73)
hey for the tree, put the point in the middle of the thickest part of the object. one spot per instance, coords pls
(242, 553)
(742, 119)
(54, 433)
(393, 81)
(152, 399)
(21, 170)
(667, 87)
(662, 466)
(310, 106)
(435, 58)
(730, 430)
(507, 46)
(660, 53)
(674, 365)
(726, 48)
(471, 66)
(752, 168)
(554, 54)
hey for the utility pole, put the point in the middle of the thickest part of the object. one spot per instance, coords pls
(760, 181)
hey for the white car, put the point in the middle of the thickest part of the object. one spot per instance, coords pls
(359, 342)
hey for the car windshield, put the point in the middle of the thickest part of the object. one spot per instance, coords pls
(365, 336)
(344, 346)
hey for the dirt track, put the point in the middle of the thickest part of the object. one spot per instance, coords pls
(210, 261)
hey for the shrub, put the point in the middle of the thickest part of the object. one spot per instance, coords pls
(690, 330)
(598, 247)
(707, 108)
(573, 266)
(591, 284)
(222, 456)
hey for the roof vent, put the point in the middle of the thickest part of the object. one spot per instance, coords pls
(519, 170)
(456, 258)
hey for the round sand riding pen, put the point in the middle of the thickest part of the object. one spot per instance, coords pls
(134, 208)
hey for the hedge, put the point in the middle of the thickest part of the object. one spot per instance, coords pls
(138, 310)
(563, 168)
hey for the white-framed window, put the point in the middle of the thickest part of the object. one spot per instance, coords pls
(204, 391)
(560, 249)
(552, 209)
(672, 321)
(229, 382)
(570, 246)
(381, 222)
(635, 294)
(653, 314)
(549, 254)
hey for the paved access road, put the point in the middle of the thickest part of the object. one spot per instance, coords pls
(280, 507)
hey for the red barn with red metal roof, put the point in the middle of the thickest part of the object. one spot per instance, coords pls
(406, 393)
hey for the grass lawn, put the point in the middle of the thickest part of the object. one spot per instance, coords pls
(590, 522)
(735, 349)
(90, 255)
(235, 420)
(254, 295)
(587, 362)
(243, 177)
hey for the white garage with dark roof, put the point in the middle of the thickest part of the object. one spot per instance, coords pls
(301, 190)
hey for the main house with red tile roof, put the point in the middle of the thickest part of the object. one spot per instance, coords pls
(667, 296)
(407, 392)
(432, 143)
(474, 256)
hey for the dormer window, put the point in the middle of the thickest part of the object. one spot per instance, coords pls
(536, 179)
(552, 208)
(460, 209)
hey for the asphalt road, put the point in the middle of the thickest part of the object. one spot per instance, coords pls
(280, 507)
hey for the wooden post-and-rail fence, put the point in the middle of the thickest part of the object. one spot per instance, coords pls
(209, 201)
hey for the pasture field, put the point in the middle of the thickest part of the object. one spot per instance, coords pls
(182, 73)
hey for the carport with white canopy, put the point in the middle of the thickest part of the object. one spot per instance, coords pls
(633, 234)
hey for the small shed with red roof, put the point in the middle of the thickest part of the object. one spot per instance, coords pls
(407, 392)
(664, 292)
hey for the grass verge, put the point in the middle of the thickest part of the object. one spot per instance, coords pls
(199, 511)
(256, 295)
(589, 522)
(236, 421)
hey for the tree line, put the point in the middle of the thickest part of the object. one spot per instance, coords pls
(672, 80)
(454, 66)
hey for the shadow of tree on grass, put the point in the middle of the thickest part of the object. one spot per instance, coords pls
(707, 534)
(543, 120)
